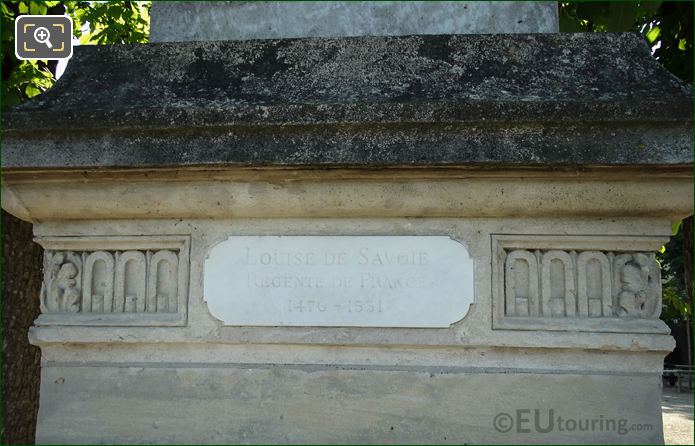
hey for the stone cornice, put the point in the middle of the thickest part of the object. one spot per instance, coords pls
(479, 100)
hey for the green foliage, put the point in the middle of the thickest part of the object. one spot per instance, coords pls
(667, 26)
(677, 306)
(605, 16)
(93, 23)
(110, 22)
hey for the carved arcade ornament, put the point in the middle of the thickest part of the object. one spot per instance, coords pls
(140, 285)
(582, 284)
(564, 283)
(139, 280)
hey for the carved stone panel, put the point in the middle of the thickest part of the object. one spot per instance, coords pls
(521, 286)
(557, 285)
(594, 285)
(637, 286)
(114, 286)
(62, 282)
(131, 282)
(581, 287)
(161, 282)
(98, 283)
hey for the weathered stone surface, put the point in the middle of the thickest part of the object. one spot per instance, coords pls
(254, 404)
(186, 21)
(418, 100)
(560, 157)
(104, 382)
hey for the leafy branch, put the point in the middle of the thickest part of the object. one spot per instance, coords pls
(93, 23)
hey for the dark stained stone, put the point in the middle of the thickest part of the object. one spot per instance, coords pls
(537, 99)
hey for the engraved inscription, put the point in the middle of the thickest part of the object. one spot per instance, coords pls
(380, 281)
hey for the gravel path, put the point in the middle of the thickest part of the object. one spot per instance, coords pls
(677, 410)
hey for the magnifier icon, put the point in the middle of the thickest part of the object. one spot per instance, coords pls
(42, 35)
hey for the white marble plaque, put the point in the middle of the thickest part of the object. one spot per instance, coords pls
(339, 281)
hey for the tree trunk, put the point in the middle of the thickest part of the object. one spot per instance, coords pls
(21, 362)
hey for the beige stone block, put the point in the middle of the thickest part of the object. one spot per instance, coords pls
(237, 403)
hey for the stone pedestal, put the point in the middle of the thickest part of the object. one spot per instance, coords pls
(549, 168)
(186, 21)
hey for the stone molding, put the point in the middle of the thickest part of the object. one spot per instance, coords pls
(355, 194)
